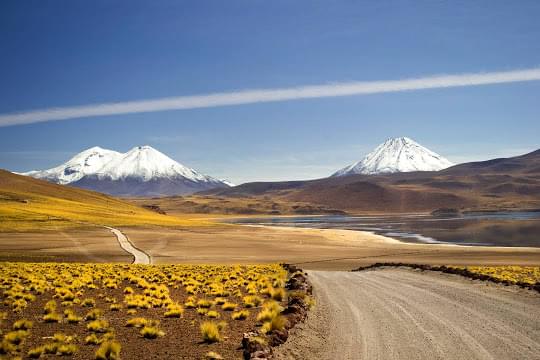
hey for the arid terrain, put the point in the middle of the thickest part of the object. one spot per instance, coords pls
(310, 248)
(406, 314)
(389, 313)
(509, 183)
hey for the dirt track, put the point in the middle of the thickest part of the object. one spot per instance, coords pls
(139, 256)
(407, 314)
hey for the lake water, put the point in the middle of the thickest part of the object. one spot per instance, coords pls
(493, 229)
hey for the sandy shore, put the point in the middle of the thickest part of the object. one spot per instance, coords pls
(320, 249)
(317, 249)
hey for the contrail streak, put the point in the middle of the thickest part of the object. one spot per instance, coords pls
(268, 95)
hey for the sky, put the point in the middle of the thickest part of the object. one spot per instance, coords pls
(63, 54)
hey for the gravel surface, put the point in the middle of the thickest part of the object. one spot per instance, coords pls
(139, 256)
(408, 314)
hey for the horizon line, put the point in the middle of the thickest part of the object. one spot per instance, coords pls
(252, 96)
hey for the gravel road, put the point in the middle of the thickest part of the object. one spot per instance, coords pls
(139, 256)
(407, 314)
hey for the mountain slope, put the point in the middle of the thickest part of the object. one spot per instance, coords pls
(397, 155)
(87, 162)
(28, 204)
(510, 183)
(142, 171)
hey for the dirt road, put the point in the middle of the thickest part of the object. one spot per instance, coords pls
(139, 257)
(406, 314)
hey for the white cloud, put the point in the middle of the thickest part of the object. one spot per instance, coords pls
(268, 95)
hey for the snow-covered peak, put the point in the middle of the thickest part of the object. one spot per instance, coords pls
(400, 154)
(227, 182)
(146, 163)
(87, 162)
(142, 163)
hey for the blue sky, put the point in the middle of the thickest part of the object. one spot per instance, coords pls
(68, 53)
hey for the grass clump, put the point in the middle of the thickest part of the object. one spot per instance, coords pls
(92, 339)
(251, 301)
(62, 338)
(174, 311)
(50, 307)
(99, 326)
(213, 314)
(93, 314)
(52, 318)
(137, 322)
(72, 317)
(229, 306)
(109, 350)
(88, 302)
(277, 294)
(22, 324)
(203, 303)
(266, 315)
(60, 346)
(210, 332)
(278, 322)
(212, 355)
(36, 353)
(202, 311)
(240, 315)
(151, 332)
(66, 349)
(16, 337)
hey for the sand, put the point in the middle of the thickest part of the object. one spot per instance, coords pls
(318, 249)
(78, 245)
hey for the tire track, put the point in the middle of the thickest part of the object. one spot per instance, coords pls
(405, 314)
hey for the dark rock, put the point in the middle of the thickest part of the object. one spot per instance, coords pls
(278, 337)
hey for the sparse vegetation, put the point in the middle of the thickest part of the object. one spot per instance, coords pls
(109, 350)
(228, 306)
(99, 326)
(210, 332)
(151, 332)
(87, 300)
(240, 315)
(36, 205)
(22, 324)
(513, 274)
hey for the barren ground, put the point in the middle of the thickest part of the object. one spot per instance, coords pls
(309, 248)
(80, 245)
(316, 249)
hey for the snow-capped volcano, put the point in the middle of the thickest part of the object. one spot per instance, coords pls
(397, 155)
(141, 171)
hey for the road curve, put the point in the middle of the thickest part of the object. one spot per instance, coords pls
(407, 314)
(139, 256)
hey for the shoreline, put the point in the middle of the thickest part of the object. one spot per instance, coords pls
(385, 239)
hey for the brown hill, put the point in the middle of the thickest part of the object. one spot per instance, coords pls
(506, 183)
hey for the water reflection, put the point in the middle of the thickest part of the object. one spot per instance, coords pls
(495, 229)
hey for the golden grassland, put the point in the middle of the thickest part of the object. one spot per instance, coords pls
(28, 204)
(99, 310)
(513, 274)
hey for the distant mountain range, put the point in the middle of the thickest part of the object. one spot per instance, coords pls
(397, 155)
(142, 171)
(498, 184)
